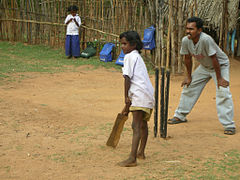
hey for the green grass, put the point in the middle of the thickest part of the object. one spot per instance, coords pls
(225, 168)
(57, 158)
(20, 58)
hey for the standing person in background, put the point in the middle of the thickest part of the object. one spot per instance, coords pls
(73, 22)
(214, 64)
(138, 93)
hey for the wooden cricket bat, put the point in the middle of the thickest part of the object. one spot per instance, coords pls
(117, 129)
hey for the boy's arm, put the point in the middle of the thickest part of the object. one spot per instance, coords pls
(127, 83)
(76, 22)
(188, 64)
(220, 80)
(69, 21)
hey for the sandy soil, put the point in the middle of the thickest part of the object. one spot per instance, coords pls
(55, 126)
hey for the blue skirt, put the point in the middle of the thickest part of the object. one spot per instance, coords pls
(72, 45)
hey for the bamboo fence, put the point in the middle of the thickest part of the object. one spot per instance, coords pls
(42, 22)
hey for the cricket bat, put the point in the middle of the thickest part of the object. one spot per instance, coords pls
(117, 129)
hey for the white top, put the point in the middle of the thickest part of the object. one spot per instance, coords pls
(202, 51)
(141, 91)
(72, 28)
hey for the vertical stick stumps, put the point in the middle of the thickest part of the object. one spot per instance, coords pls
(162, 101)
(156, 102)
(166, 71)
(164, 135)
(164, 90)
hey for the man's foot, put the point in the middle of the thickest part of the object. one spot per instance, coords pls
(141, 156)
(69, 57)
(230, 131)
(175, 120)
(128, 163)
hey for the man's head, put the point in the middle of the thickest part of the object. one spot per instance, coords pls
(194, 28)
(197, 20)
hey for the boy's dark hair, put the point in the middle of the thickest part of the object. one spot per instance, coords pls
(197, 20)
(133, 38)
(72, 8)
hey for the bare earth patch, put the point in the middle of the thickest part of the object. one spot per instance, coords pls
(55, 126)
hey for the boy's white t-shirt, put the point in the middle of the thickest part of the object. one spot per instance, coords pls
(72, 28)
(141, 91)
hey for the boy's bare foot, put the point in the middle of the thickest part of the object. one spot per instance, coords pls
(141, 156)
(128, 163)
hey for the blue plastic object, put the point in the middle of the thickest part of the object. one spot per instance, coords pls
(106, 52)
(233, 40)
(120, 59)
(149, 38)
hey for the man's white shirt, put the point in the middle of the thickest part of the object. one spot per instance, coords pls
(202, 51)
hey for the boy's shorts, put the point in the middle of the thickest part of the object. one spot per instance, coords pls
(146, 112)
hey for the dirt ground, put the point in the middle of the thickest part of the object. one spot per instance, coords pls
(55, 126)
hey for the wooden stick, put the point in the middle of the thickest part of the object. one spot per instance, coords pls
(196, 9)
(169, 35)
(180, 34)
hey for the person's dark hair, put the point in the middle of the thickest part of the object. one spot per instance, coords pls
(72, 8)
(197, 20)
(133, 38)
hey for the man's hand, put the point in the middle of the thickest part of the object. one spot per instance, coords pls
(187, 81)
(222, 82)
